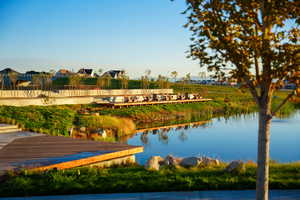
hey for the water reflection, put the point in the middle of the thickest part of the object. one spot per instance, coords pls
(164, 131)
(227, 138)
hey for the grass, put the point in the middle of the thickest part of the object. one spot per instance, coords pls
(181, 112)
(53, 120)
(137, 179)
(120, 126)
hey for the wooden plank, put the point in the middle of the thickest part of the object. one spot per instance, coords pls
(154, 102)
(32, 149)
(90, 160)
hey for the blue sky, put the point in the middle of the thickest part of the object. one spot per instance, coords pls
(134, 35)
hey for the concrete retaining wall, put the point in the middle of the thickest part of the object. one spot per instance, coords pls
(61, 97)
(46, 101)
(79, 93)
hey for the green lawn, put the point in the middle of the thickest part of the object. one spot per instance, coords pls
(137, 179)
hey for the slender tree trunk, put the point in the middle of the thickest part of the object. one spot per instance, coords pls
(263, 154)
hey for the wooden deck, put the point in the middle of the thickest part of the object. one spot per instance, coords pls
(47, 152)
(127, 104)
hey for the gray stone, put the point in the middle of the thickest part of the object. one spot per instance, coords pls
(172, 161)
(236, 166)
(207, 161)
(154, 163)
(190, 162)
(82, 129)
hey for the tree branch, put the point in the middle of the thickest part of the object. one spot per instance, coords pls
(283, 102)
(252, 89)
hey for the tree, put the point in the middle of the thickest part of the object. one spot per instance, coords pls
(187, 78)
(74, 81)
(100, 71)
(162, 82)
(36, 81)
(124, 81)
(174, 75)
(47, 81)
(147, 72)
(13, 77)
(100, 82)
(2, 81)
(259, 41)
(108, 81)
(145, 80)
(202, 75)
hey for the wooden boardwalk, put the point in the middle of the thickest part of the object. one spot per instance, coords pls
(47, 152)
(127, 104)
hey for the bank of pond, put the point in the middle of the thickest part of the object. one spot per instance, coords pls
(59, 120)
(64, 119)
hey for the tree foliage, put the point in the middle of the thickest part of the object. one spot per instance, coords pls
(124, 81)
(162, 82)
(74, 81)
(258, 42)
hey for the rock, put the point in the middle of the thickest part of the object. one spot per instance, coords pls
(102, 132)
(207, 161)
(190, 162)
(82, 129)
(172, 161)
(154, 163)
(236, 166)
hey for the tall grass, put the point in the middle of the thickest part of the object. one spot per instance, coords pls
(170, 113)
(121, 126)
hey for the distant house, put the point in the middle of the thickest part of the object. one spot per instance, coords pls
(63, 73)
(86, 72)
(8, 71)
(32, 73)
(5, 74)
(28, 75)
(114, 73)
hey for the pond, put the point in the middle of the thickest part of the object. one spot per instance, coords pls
(234, 138)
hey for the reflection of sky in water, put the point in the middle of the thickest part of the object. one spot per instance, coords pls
(226, 139)
(56, 160)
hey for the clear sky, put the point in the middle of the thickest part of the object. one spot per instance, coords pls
(134, 35)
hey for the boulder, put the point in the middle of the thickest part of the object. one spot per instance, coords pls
(207, 161)
(190, 162)
(154, 163)
(236, 166)
(172, 161)
(82, 129)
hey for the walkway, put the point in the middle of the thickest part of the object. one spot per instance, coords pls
(201, 195)
(29, 150)
(9, 133)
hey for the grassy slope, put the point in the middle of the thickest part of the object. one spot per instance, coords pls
(54, 120)
(137, 179)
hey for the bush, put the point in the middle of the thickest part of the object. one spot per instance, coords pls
(122, 126)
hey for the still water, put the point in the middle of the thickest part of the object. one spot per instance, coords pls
(234, 138)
